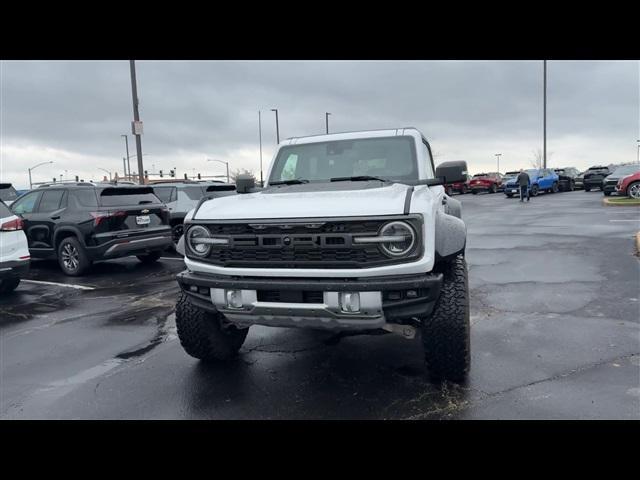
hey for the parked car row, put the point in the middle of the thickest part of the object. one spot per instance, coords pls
(80, 223)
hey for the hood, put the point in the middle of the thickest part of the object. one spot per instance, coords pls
(286, 203)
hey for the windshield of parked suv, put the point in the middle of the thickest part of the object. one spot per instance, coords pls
(8, 194)
(390, 158)
(626, 170)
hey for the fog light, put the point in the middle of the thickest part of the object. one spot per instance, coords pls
(203, 291)
(234, 298)
(412, 294)
(350, 301)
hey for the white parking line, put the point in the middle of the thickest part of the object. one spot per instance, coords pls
(70, 285)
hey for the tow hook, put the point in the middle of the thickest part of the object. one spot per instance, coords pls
(407, 331)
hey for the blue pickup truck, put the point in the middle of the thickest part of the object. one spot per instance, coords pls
(542, 179)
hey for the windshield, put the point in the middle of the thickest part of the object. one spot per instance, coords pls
(8, 194)
(391, 158)
(626, 170)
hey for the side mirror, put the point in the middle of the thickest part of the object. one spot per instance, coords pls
(245, 183)
(452, 172)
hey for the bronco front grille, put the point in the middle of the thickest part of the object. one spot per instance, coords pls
(312, 243)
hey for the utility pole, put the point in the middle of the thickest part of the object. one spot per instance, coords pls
(545, 116)
(498, 157)
(638, 151)
(326, 119)
(127, 170)
(136, 119)
(260, 136)
(277, 127)
(124, 167)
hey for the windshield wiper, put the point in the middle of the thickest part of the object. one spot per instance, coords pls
(359, 178)
(293, 181)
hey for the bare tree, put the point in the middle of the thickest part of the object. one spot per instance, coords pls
(538, 158)
(233, 175)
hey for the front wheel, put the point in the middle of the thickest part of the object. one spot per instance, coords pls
(554, 188)
(634, 190)
(534, 190)
(493, 189)
(475, 192)
(587, 189)
(205, 335)
(464, 189)
(606, 194)
(9, 285)
(446, 333)
(510, 195)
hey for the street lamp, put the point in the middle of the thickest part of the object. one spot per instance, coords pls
(32, 168)
(638, 151)
(220, 161)
(498, 157)
(326, 119)
(260, 137)
(277, 126)
(126, 146)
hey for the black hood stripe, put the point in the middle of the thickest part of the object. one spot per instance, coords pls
(407, 200)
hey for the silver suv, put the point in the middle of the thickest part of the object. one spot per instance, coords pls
(182, 196)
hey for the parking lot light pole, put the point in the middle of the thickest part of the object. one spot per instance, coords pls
(226, 163)
(326, 119)
(105, 170)
(277, 126)
(33, 168)
(638, 151)
(260, 137)
(544, 121)
(498, 157)
(136, 118)
(127, 170)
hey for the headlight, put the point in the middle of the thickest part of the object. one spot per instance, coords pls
(198, 239)
(398, 238)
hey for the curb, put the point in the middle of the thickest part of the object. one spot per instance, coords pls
(607, 203)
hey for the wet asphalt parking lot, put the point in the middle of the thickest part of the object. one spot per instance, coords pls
(555, 308)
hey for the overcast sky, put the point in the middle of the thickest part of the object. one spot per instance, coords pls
(73, 113)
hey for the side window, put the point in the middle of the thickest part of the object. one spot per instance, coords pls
(50, 201)
(83, 198)
(429, 167)
(26, 204)
(289, 168)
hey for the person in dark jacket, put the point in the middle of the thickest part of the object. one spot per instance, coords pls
(524, 181)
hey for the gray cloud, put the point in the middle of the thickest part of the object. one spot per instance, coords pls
(76, 111)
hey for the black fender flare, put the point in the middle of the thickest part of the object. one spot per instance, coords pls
(76, 231)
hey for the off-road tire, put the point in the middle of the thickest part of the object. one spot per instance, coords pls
(446, 333)
(75, 248)
(202, 334)
(8, 285)
(510, 195)
(149, 257)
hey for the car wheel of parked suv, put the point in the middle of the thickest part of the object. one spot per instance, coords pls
(204, 335)
(493, 188)
(554, 188)
(177, 231)
(9, 285)
(446, 333)
(149, 257)
(534, 190)
(72, 257)
(634, 190)
(587, 189)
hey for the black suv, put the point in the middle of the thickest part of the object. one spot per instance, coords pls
(567, 178)
(594, 177)
(80, 223)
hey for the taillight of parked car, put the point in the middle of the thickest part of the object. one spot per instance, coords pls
(12, 225)
(98, 217)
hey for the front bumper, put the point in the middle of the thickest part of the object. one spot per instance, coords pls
(13, 269)
(610, 187)
(376, 307)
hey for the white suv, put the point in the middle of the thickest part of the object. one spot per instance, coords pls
(352, 232)
(14, 251)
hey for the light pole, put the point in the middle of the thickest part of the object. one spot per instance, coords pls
(136, 118)
(544, 122)
(277, 126)
(326, 119)
(33, 168)
(226, 163)
(638, 151)
(260, 136)
(126, 146)
(498, 157)
(104, 170)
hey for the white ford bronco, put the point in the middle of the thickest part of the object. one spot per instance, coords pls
(352, 232)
